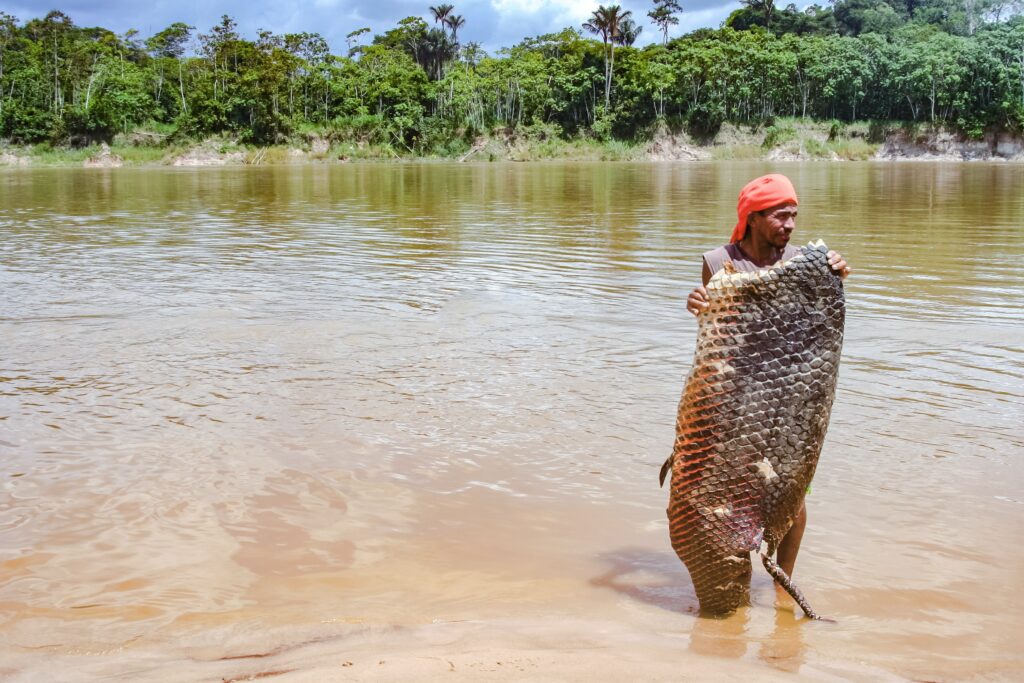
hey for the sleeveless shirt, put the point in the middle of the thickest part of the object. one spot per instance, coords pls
(716, 258)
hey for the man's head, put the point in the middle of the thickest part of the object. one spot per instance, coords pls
(772, 201)
(774, 225)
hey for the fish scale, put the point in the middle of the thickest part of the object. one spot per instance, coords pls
(752, 421)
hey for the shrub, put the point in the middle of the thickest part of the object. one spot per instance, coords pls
(877, 132)
(705, 119)
(27, 125)
(778, 134)
(816, 148)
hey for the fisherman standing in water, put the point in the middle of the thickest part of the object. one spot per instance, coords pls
(766, 210)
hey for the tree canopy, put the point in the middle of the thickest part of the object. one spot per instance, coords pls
(417, 86)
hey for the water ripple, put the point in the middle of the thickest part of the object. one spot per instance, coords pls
(213, 381)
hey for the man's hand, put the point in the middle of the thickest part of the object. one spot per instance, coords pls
(697, 301)
(838, 265)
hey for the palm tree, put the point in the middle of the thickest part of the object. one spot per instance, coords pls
(437, 49)
(455, 22)
(441, 12)
(440, 50)
(629, 32)
(607, 23)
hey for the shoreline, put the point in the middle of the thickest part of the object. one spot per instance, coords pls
(545, 648)
(786, 140)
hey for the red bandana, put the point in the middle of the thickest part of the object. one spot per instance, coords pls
(761, 193)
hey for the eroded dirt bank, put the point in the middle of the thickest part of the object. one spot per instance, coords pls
(786, 140)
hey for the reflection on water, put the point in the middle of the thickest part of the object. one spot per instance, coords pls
(784, 648)
(721, 637)
(238, 401)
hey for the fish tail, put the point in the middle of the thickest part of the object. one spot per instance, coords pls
(787, 583)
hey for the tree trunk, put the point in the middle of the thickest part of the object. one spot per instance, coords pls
(932, 98)
(56, 77)
(611, 73)
(159, 81)
(181, 89)
(92, 81)
(913, 108)
(607, 77)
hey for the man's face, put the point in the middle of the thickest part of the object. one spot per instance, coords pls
(775, 224)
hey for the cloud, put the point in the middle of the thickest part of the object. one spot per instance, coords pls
(558, 9)
(492, 23)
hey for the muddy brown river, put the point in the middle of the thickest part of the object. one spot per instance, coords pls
(255, 421)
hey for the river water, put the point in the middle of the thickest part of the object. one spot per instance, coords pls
(245, 410)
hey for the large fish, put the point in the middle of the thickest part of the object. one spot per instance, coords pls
(752, 421)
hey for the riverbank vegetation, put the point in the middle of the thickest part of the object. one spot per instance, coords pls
(418, 90)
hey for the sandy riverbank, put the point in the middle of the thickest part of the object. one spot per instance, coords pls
(786, 140)
(569, 650)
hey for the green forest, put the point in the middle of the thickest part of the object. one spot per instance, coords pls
(419, 89)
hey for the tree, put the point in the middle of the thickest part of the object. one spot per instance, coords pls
(664, 15)
(629, 32)
(852, 59)
(764, 7)
(472, 53)
(396, 89)
(171, 41)
(854, 17)
(441, 13)
(995, 9)
(455, 22)
(407, 37)
(168, 47)
(221, 47)
(52, 35)
(607, 23)
(352, 38)
(436, 50)
(8, 32)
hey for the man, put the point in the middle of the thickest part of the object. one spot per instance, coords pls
(767, 211)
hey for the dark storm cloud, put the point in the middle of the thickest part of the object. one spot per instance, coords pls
(493, 23)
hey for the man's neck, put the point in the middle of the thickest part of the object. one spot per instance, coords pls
(761, 253)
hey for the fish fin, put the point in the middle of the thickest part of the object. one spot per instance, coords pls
(729, 268)
(665, 469)
(783, 580)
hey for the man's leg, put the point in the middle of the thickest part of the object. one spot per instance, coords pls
(790, 545)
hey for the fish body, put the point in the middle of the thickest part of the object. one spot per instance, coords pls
(752, 420)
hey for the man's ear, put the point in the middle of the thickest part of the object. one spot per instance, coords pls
(754, 216)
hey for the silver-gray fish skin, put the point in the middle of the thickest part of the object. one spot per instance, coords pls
(752, 420)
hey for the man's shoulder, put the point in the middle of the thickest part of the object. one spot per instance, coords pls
(717, 257)
(718, 251)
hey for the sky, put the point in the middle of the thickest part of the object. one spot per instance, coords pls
(492, 23)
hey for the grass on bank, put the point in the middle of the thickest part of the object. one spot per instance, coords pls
(131, 155)
(783, 139)
(799, 138)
